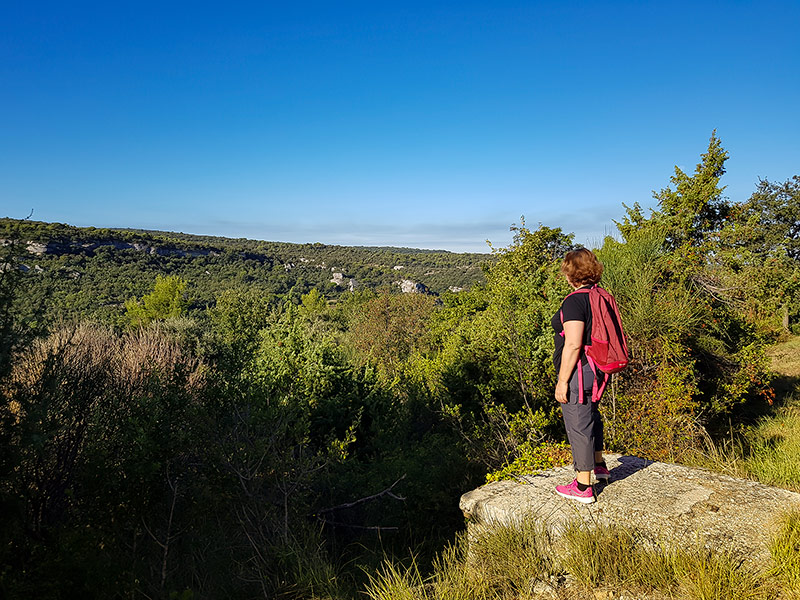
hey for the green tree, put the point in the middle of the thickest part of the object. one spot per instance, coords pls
(313, 304)
(525, 289)
(759, 254)
(166, 300)
(693, 208)
(693, 337)
(387, 329)
(11, 277)
(772, 214)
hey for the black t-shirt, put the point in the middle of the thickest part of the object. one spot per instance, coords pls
(575, 307)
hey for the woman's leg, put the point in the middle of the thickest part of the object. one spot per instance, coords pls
(580, 421)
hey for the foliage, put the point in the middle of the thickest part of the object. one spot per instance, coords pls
(10, 282)
(693, 209)
(96, 416)
(388, 328)
(759, 255)
(525, 290)
(767, 450)
(697, 352)
(21, 307)
(533, 459)
(166, 300)
(772, 217)
(313, 304)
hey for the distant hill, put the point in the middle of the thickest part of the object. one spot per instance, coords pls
(86, 271)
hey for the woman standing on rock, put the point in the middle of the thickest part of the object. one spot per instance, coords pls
(573, 326)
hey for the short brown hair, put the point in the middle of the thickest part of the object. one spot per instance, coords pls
(581, 267)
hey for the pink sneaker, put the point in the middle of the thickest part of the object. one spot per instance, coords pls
(571, 491)
(602, 473)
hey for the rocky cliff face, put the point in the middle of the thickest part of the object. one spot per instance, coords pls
(684, 505)
(53, 247)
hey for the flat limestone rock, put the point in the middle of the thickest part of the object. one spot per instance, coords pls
(688, 506)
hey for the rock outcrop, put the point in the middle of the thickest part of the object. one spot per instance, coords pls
(681, 504)
(411, 287)
(342, 280)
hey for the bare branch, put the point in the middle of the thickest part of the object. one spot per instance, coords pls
(152, 535)
(361, 527)
(386, 492)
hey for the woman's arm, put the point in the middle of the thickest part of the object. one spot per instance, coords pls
(573, 340)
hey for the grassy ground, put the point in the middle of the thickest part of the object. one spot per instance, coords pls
(769, 450)
(521, 562)
(786, 357)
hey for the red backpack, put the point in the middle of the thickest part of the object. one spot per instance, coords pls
(608, 350)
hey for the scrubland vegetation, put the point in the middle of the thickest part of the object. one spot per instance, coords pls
(297, 443)
(524, 561)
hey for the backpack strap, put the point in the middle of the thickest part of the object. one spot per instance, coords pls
(561, 310)
(597, 389)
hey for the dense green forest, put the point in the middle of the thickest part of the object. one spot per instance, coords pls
(88, 272)
(214, 425)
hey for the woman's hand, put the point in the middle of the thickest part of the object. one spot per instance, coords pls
(561, 391)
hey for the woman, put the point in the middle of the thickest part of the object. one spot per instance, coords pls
(573, 325)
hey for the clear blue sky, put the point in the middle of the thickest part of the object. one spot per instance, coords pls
(423, 124)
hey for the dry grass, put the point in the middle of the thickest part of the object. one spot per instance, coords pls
(785, 357)
(89, 362)
(495, 562)
(522, 562)
(77, 386)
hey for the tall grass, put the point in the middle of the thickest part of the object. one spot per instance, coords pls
(523, 549)
(706, 575)
(773, 456)
(621, 558)
(785, 551)
(768, 452)
(395, 582)
(615, 556)
(524, 561)
(502, 561)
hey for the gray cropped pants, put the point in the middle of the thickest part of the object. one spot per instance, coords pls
(582, 421)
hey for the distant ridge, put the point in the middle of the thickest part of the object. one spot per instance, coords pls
(89, 271)
(199, 237)
(193, 237)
